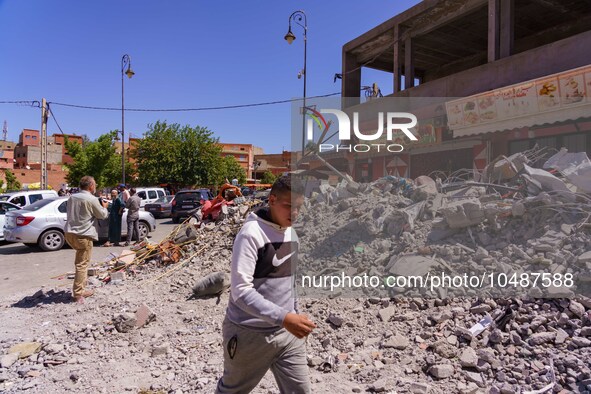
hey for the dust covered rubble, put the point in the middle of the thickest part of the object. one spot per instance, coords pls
(364, 342)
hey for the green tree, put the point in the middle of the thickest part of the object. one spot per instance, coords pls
(98, 159)
(184, 156)
(11, 182)
(268, 177)
(231, 169)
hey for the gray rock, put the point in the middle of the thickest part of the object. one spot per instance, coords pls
(475, 377)
(444, 349)
(381, 385)
(84, 345)
(468, 358)
(53, 348)
(336, 320)
(396, 341)
(9, 359)
(386, 313)
(581, 342)
(561, 336)
(124, 322)
(441, 371)
(482, 308)
(576, 308)
(419, 388)
(541, 338)
(160, 349)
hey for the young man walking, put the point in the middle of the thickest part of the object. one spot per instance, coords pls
(262, 329)
(83, 208)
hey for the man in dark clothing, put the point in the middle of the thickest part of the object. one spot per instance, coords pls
(133, 216)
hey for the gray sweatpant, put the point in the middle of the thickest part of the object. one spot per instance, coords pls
(255, 352)
(133, 229)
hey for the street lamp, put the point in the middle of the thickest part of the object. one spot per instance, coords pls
(125, 61)
(297, 17)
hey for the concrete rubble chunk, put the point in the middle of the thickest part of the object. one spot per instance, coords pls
(419, 388)
(576, 308)
(213, 284)
(386, 314)
(463, 213)
(411, 265)
(468, 358)
(7, 360)
(160, 349)
(144, 315)
(441, 371)
(124, 322)
(25, 349)
(541, 338)
(396, 341)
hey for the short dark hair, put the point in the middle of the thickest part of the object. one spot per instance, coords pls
(287, 184)
(86, 181)
(132, 191)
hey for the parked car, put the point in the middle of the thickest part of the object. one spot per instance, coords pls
(24, 198)
(187, 200)
(5, 207)
(149, 194)
(42, 224)
(160, 208)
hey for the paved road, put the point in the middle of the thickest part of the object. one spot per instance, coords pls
(25, 269)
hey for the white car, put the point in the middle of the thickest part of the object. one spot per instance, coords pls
(42, 224)
(24, 198)
(5, 207)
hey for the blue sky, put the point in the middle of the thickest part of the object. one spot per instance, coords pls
(186, 54)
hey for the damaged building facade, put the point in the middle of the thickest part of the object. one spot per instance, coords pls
(510, 75)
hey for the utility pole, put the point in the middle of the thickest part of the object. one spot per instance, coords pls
(43, 144)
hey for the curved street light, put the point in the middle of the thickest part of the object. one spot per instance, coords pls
(125, 61)
(297, 17)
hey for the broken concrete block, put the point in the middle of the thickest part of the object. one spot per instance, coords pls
(463, 213)
(161, 349)
(25, 349)
(211, 285)
(411, 265)
(396, 342)
(335, 320)
(143, 316)
(441, 371)
(541, 338)
(9, 359)
(468, 358)
(118, 277)
(124, 322)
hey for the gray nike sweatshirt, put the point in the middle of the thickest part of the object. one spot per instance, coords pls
(262, 280)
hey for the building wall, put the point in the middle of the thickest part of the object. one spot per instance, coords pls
(29, 137)
(28, 155)
(244, 154)
(7, 158)
(55, 176)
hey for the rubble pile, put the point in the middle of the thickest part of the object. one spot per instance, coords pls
(157, 328)
(465, 339)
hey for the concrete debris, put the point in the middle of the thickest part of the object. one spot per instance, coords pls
(213, 284)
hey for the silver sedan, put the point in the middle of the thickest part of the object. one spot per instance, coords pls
(42, 224)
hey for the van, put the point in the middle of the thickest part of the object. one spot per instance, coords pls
(149, 194)
(24, 198)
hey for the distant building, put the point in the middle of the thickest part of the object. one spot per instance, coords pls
(243, 153)
(276, 163)
(7, 154)
(30, 155)
(59, 139)
(29, 137)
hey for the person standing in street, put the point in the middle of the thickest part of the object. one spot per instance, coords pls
(82, 209)
(115, 214)
(124, 193)
(133, 216)
(263, 329)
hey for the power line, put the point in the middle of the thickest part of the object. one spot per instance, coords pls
(195, 109)
(28, 103)
(54, 119)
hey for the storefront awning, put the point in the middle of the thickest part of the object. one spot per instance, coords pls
(550, 99)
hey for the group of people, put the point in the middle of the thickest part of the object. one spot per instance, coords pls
(121, 199)
(263, 328)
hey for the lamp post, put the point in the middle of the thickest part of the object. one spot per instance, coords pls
(297, 17)
(125, 61)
